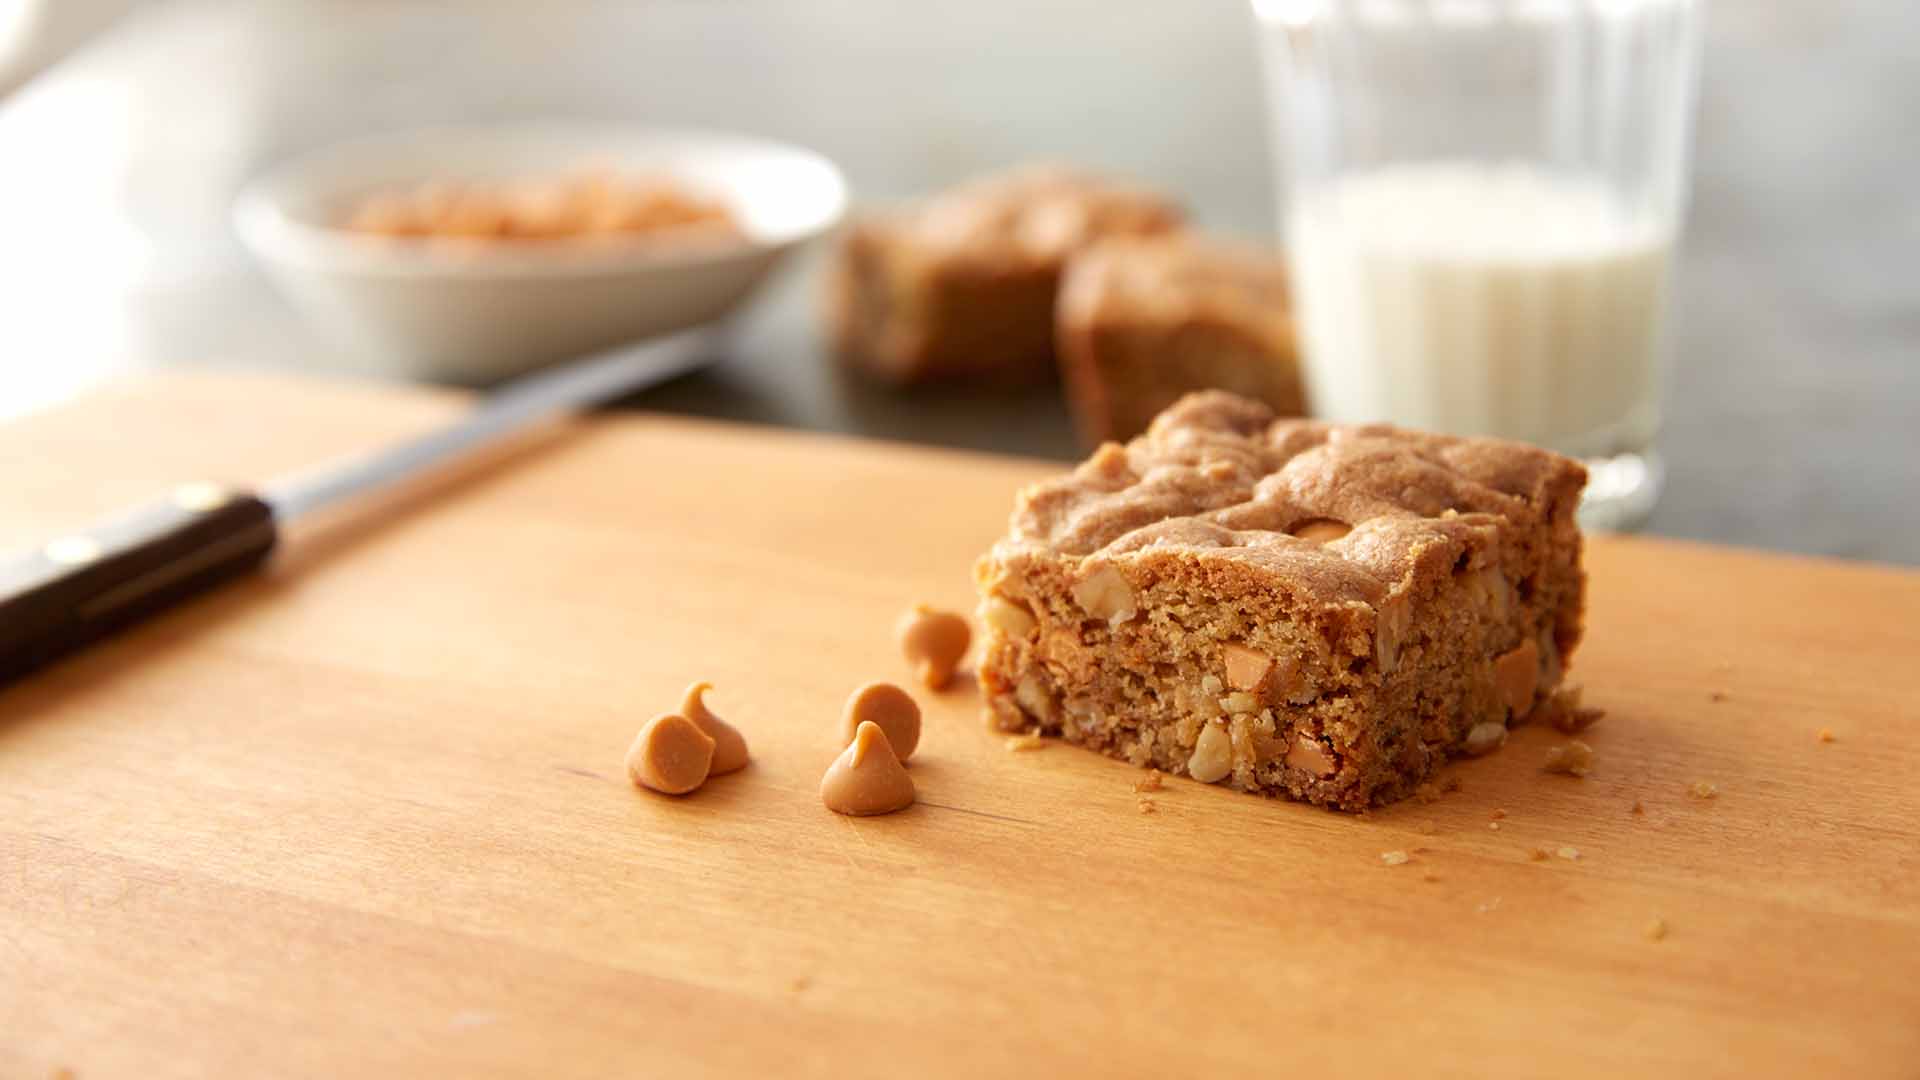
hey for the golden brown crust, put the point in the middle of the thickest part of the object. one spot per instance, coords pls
(1221, 475)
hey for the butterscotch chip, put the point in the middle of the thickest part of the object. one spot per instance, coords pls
(1701, 789)
(1246, 668)
(888, 706)
(1516, 674)
(1573, 759)
(729, 746)
(867, 778)
(671, 755)
(933, 642)
(1308, 755)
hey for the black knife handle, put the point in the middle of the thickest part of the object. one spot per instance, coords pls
(82, 587)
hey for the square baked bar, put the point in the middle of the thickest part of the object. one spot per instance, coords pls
(1143, 320)
(963, 285)
(1291, 607)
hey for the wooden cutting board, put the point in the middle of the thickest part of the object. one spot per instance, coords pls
(366, 816)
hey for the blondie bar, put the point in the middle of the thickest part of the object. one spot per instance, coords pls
(963, 286)
(1290, 607)
(1143, 320)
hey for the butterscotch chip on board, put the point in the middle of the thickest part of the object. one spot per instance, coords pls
(670, 755)
(729, 746)
(892, 709)
(933, 642)
(1516, 675)
(867, 778)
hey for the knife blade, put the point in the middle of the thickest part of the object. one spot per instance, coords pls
(81, 587)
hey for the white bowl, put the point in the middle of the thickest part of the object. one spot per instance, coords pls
(480, 312)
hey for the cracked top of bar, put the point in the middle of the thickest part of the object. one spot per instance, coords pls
(1220, 477)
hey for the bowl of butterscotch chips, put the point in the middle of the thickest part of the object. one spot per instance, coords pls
(472, 254)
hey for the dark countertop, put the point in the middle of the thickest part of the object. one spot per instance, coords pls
(1794, 420)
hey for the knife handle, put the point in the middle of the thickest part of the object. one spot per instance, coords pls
(82, 587)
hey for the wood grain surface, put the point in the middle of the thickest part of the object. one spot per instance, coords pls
(365, 816)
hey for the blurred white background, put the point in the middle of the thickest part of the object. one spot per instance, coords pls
(1795, 412)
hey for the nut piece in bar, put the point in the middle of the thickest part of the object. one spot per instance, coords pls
(867, 778)
(670, 755)
(933, 642)
(890, 708)
(1322, 611)
(729, 746)
(1143, 320)
(962, 286)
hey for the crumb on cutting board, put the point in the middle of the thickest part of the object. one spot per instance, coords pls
(1573, 759)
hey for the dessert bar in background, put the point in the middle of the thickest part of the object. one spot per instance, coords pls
(1144, 320)
(963, 285)
(1290, 607)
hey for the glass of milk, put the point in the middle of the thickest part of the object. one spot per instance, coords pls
(1480, 202)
